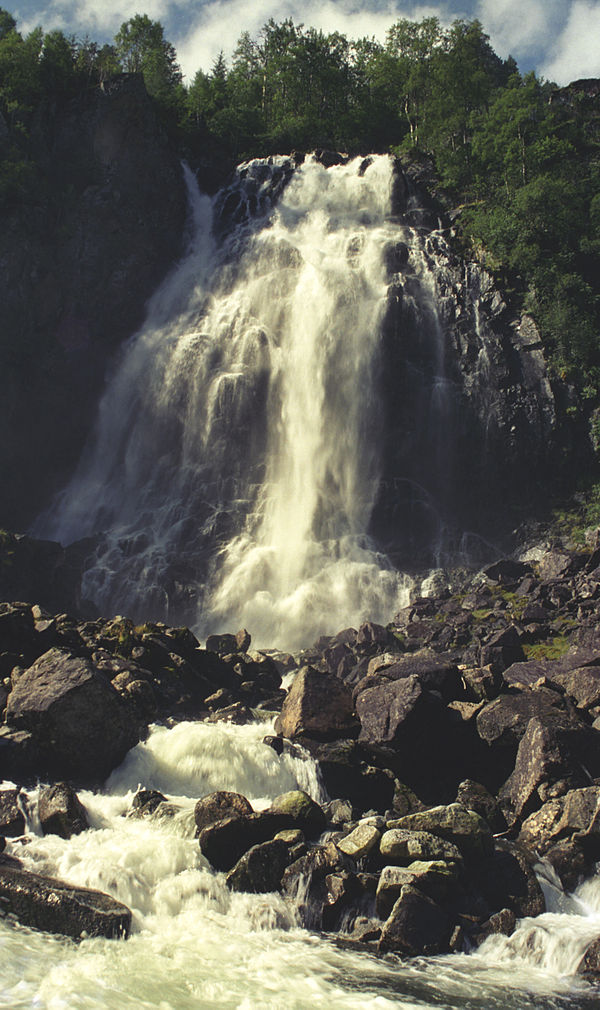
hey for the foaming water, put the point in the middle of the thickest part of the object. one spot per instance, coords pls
(197, 945)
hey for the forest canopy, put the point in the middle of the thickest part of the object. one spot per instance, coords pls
(517, 158)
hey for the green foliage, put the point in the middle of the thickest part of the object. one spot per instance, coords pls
(520, 159)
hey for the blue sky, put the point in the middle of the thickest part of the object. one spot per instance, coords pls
(559, 39)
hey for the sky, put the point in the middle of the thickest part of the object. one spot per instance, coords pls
(559, 39)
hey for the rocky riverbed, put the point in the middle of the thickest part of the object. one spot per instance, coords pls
(458, 747)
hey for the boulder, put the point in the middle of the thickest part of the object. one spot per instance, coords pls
(502, 649)
(305, 883)
(146, 802)
(260, 870)
(464, 828)
(302, 810)
(61, 811)
(318, 706)
(436, 878)
(219, 805)
(433, 672)
(359, 842)
(12, 821)
(474, 796)
(81, 726)
(507, 880)
(401, 847)
(225, 841)
(347, 775)
(503, 723)
(550, 756)
(56, 907)
(416, 926)
(577, 812)
(589, 966)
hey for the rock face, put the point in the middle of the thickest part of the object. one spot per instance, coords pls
(71, 294)
(57, 907)
(474, 375)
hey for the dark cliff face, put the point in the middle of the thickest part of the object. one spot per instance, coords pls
(475, 431)
(77, 265)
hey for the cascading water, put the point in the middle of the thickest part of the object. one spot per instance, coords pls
(195, 945)
(237, 455)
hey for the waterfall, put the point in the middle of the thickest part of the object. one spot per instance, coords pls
(238, 451)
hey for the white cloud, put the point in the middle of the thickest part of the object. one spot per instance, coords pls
(521, 27)
(576, 52)
(220, 23)
(89, 16)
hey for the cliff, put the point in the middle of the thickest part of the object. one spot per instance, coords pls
(77, 263)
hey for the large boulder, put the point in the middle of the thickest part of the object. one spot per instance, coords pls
(56, 907)
(12, 821)
(217, 806)
(401, 847)
(575, 813)
(552, 755)
(81, 726)
(302, 810)
(436, 878)
(434, 673)
(318, 706)
(61, 811)
(224, 842)
(416, 926)
(260, 869)
(464, 828)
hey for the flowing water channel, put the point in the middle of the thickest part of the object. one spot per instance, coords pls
(196, 946)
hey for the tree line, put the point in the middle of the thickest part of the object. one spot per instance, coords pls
(518, 156)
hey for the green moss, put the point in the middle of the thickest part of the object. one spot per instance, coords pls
(554, 648)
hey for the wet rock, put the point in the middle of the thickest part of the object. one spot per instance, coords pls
(219, 805)
(464, 828)
(226, 840)
(503, 922)
(55, 907)
(589, 966)
(416, 926)
(347, 775)
(146, 802)
(572, 860)
(237, 714)
(12, 821)
(260, 870)
(304, 883)
(82, 728)
(302, 810)
(318, 706)
(61, 811)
